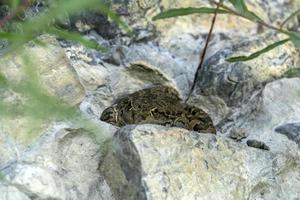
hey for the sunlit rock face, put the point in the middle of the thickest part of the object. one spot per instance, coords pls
(291, 130)
(55, 76)
(173, 163)
(233, 81)
(63, 164)
(279, 106)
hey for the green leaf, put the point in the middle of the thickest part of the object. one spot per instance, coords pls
(293, 15)
(75, 37)
(14, 4)
(9, 36)
(187, 11)
(258, 53)
(241, 7)
(3, 80)
(251, 15)
(295, 37)
(296, 42)
(294, 72)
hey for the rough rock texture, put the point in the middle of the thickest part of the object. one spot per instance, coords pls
(278, 105)
(172, 163)
(234, 82)
(220, 86)
(63, 164)
(57, 78)
(142, 11)
(56, 74)
(236, 86)
(126, 70)
(291, 130)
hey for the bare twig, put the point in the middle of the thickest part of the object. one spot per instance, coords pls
(245, 17)
(202, 57)
(294, 14)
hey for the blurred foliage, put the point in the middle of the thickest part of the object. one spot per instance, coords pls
(18, 30)
(295, 72)
(2, 176)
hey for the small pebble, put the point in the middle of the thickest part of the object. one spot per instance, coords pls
(238, 134)
(257, 144)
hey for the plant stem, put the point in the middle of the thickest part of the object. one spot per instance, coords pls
(290, 17)
(258, 21)
(202, 57)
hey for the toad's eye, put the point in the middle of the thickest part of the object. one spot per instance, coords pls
(108, 115)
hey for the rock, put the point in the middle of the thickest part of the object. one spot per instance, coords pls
(291, 130)
(63, 164)
(173, 163)
(235, 88)
(91, 20)
(278, 105)
(11, 193)
(235, 82)
(238, 134)
(141, 13)
(56, 77)
(257, 144)
(124, 183)
(126, 70)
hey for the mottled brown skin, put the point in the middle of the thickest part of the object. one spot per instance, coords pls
(157, 105)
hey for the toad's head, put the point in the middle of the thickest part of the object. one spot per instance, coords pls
(109, 115)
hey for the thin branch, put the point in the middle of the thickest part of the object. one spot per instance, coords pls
(258, 21)
(290, 17)
(202, 57)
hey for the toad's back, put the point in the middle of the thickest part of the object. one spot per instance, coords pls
(157, 105)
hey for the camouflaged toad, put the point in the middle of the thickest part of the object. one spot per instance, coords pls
(158, 105)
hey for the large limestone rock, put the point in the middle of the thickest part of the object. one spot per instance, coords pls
(291, 130)
(235, 87)
(127, 69)
(56, 77)
(173, 163)
(63, 164)
(278, 106)
(233, 82)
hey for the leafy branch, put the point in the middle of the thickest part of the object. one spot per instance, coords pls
(205, 47)
(240, 10)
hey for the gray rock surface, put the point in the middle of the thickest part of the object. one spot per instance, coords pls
(63, 164)
(291, 130)
(238, 134)
(235, 82)
(56, 77)
(278, 105)
(173, 163)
